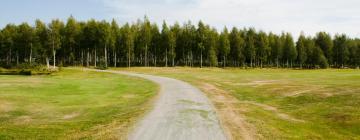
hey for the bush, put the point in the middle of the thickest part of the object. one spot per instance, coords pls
(101, 65)
(323, 62)
(29, 66)
(25, 72)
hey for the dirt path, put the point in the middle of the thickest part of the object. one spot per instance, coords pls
(235, 124)
(182, 112)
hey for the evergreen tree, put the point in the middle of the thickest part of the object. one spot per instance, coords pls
(201, 40)
(324, 41)
(300, 47)
(142, 43)
(224, 44)
(9, 34)
(55, 27)
(114, 41)
(263, 50)
(72, 31)
(128, 41)
(289, 53)
(341, 52)
(145, 38)
(250, 51)
(26, 39)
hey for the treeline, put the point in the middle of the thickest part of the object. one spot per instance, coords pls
(103, 44)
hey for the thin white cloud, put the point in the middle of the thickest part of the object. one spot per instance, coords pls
(310, 16)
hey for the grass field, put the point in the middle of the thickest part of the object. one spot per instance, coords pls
(279, 103)
(71, 104)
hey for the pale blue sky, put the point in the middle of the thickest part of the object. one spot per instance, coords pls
(17, 11)
(309, 16)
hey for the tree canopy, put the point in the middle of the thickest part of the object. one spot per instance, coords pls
(143, 43)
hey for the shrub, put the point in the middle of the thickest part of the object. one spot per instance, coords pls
(25, 72)
(101, 65)
(323, 62)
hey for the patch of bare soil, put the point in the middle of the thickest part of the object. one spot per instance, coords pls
(294, 91)
(274, 110)
(230, 114)
(233, 122)
(71, 116)
(253, 83)
(5, 106)
(128, 96)
(23, 120)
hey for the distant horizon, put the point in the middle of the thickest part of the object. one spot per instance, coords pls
(275, 16)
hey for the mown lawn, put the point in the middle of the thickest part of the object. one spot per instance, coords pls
(283, 103)
(71, 104)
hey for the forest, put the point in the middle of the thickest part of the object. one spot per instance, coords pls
(144, 43)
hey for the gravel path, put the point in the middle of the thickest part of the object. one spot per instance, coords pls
(182, 112)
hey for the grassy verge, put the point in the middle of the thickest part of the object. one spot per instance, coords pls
(71, 104)
(280, 103)
(26, 71)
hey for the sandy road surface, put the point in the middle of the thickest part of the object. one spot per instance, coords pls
(182, 112)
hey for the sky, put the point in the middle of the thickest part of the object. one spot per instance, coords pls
(295, 16)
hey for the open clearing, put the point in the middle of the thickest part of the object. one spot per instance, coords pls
(251, 104)
(72, 104)
(278, 103)
(181, 112)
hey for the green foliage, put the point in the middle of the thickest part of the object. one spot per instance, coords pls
(289, 52)
(301, 50)
(144, 44)
(250, 50)
(341, 51)
(224, 45)
(324, 41)
(237, 48)
(263, 48)
(56, 28)
(323, 62)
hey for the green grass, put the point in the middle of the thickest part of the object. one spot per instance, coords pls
(326, 101)
(71, 104)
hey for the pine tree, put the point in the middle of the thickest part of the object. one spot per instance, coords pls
(224, 44)
(301, 52)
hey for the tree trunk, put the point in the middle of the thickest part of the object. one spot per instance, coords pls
(9, 57)
(251, 63)
(115, 58)
(173, 62)
(47, 62)
(17, 58)
(129, 57)
(95, 57)
(155, 59)
(30, 53)
(105, 57)
(146, 55)
(54, 54)
(166, 58)
(82, 58)
(201, 59)
(87, 58)
(191, 59)
(155, 54)
(287, 63)
(224, 62)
